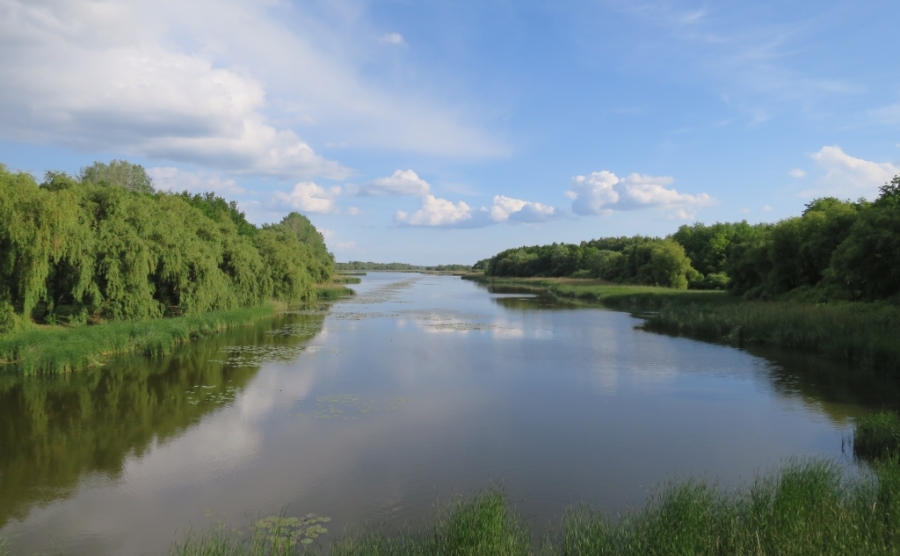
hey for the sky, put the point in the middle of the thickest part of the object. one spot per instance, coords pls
(436, 132)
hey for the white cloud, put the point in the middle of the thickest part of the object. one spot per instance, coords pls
(392, 38)
(604, 192)
(848, 175)
(186, 81)
(105, 76)
(308, 197)
(173, 179)
(767, 208)
(436, 212)
(797, 173)
(517, 210)
(400, 183)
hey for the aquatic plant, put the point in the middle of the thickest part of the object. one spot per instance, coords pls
(807, 507)
(59, 350)
(877, 436)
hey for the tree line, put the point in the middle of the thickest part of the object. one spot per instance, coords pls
(107, 245)
(836, 249)
(360, 265)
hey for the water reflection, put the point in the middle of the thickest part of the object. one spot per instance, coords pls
(416, 389)
(56, 431)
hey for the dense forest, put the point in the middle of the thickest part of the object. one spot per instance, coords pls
(106, 245)
(835, 249)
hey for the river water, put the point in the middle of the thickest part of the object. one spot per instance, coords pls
(374, 409)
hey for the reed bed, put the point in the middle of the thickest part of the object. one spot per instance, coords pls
(877, 437)
(807, 507)
(333, 291)
(59, 350)
(859, 333)
(853, 332)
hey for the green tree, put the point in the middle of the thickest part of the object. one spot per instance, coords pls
(119, 173)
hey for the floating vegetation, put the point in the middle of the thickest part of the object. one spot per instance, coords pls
(298, 330)
(352, 315)
(253, 356)
(210, 394)
(282, 532)
(381, 294)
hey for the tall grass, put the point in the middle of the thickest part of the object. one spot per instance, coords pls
(861, 333)
(877, 436)
(852, 332)
(807, 507)
(60, 350)
(482, 526)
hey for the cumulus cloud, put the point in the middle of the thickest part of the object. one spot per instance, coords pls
(848, 175)
(400, 183)
(173, 179)
(517, 210)
(437, 212)
(308, 197)
(187, 82)
(604, 192)
(392, 38)
(104, 76)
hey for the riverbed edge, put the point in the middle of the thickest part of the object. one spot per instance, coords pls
(859, 333)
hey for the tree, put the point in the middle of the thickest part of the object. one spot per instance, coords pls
(120, 173)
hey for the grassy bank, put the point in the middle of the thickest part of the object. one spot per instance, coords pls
(806, 507)
(51, 350)
(859, 333)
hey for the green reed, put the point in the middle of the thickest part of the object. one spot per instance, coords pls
(862, 333)
(877, 436)
(853, 332)
(61, 349)
(807, 507)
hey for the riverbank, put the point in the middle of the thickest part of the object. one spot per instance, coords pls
(852, 332)
(58, 349)
(807, 507)
(62, 349)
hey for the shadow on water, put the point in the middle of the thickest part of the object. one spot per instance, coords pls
(837, 388)
(526, 299)
(54, 431)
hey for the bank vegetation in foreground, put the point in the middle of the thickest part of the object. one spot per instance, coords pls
(806, 507)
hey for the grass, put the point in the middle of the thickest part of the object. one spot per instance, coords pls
(808, 507)
(333, 291)
(54, 350)
(877, 437)
(857, 333)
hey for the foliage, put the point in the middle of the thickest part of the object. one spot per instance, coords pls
(637, 260)
(79, 252)
(62, 350)
(877, 436)
(807, 507)
(836, 250)
(119, 173)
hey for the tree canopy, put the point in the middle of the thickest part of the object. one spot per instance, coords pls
(85, 250)
(836, 249)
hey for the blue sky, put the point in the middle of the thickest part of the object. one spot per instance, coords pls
(435, 132)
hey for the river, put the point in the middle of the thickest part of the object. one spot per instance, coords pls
(371, 410)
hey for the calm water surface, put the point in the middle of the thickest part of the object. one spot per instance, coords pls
(373, 409)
